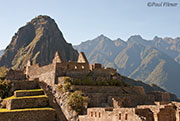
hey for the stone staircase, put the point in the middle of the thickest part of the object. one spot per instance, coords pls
(27, 104)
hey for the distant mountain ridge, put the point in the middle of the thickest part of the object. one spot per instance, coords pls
(150, 61)
(166, 45)
(37, 41)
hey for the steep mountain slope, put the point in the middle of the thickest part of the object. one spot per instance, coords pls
(38, 41)
(1, 52)
(102, 49)
(137, 59)
(166, 45)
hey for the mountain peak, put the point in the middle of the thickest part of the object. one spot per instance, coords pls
(135, 37)
(156, 38)
(37, 41)
(102, 36)
(42, 19)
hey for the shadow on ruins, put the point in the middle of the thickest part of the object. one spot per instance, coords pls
(110, 100)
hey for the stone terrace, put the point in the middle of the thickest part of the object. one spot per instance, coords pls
(27, 105)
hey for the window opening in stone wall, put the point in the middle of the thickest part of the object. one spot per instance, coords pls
(75, 67)
(95, 114)
(126, 116)
(82, 67)
(67, 66)
(119, 116)
(99, 115)
(91, 114)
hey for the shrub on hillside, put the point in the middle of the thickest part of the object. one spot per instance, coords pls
(67, 86)
(3, 71)
(115, 82)
(64, 87)
(60, 87)
(67, 79)
(77, 102)
(4, 88)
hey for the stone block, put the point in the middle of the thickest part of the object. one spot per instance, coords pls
(27, 102)
(41, 114)
(24, 84)
(35, 92)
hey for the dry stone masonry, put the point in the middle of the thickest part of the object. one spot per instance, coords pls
(106, 103)
(27, 105)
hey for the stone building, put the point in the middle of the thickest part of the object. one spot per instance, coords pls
(106, 103)
(59, 68)
(156, 112)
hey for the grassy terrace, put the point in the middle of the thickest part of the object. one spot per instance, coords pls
(33, 90)
(13, 97)
(26, 109)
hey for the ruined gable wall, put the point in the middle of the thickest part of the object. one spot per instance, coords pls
(72, 66)
(72, 69)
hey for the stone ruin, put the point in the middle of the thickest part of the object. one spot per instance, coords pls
(106, 103)
(59, 68)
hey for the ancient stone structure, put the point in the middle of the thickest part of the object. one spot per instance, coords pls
(156, 112)
(59, 68)
(27, 104)
(106, 103)
(125, 103)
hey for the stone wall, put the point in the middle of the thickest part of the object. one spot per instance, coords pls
(130, 100)
(109, 114)
(110, 89)
(160, 96)
(28, 93)
(72, 69)
(44, 73)
(33, 115)
(23, 84)
(35, 71)
(146, 113)
(62, 99)
(15, 75)
(103, 95)
(72, 66)
(33, 102)
(167, 114)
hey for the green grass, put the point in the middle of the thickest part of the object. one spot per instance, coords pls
(26, 109)
(24, 97)
(33, 90)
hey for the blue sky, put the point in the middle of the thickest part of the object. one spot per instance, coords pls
(82, 20)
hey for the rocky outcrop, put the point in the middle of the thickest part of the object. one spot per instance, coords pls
(1, 52)
(37, 41)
